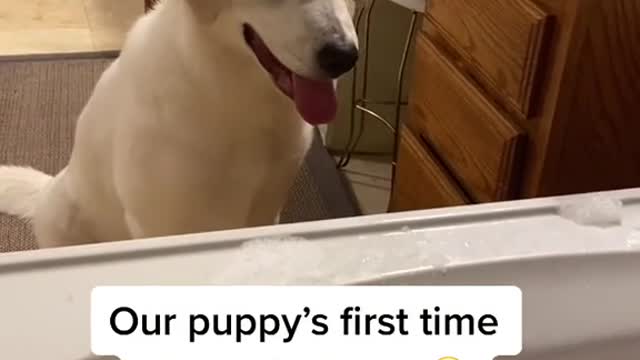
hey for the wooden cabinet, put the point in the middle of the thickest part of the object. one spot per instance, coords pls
(477, 143)
(521, 98)
(422, 180)
(502, 39)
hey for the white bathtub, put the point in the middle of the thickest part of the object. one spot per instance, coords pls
(580, 284)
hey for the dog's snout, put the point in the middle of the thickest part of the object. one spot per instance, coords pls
(336, 59)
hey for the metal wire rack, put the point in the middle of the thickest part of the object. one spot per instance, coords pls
(360, 102)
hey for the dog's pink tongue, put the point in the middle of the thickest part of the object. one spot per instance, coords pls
(316, 100)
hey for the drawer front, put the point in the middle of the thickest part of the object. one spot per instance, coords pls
(420, 182)
(501, 39)
(475, 141)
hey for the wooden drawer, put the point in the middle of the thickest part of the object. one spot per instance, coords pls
(501, 39)
(476, 142)
(420, 181)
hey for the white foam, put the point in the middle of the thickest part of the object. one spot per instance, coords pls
(348, 258)
(296, 261)
(633, 240)
(593, 210)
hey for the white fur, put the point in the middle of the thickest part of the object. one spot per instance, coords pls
(20, 189)
(185, 132)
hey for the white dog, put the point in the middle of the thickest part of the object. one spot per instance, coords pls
(200, 125)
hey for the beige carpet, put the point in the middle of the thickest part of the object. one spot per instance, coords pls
(40, 99)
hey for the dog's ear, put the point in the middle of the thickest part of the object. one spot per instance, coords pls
(206, 11)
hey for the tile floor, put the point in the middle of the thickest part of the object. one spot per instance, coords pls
(371, 180)
(54, 26)
(45, 26)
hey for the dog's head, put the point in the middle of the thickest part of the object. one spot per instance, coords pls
(304, 45)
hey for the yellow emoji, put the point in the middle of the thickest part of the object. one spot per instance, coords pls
(448, 358)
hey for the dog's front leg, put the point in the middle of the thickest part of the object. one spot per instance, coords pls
(170, 218)
(143, 227)
(135, 229)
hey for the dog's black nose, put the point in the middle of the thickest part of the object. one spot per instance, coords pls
(337, 59)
